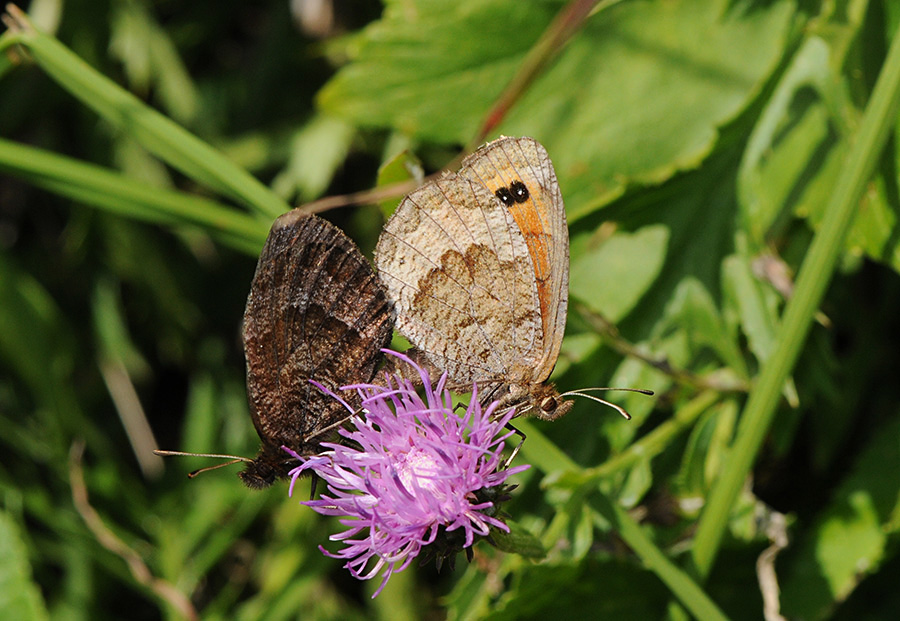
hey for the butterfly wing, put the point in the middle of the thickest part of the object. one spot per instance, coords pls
(315, 311)
(457, 267)
(519, 172)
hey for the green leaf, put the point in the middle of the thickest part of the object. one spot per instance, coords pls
(612, 276)
(681, 68)
(850, 539)
(707, 445)
(404, 166)
(460, 53)
(637, 483)
(317, 151)
(20, 597)
(580, 533)
(784, 141)
(518, 541)
(757, 306)
(693, 310)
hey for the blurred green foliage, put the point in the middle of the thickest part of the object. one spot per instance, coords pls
(708, 151)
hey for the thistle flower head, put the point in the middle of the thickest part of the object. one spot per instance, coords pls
(411, 473)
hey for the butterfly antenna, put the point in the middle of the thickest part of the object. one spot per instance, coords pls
(582, 392)
(234, 459)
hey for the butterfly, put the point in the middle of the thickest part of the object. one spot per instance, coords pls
(316, 311)
(477, 264)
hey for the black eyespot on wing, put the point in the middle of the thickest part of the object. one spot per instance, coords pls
(506, 197)
(519, 191)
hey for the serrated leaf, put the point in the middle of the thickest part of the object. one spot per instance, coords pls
(681, 68)
(414, 64)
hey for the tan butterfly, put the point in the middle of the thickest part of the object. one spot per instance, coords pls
(477, 263)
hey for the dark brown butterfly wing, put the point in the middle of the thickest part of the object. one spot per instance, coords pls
(315, 311)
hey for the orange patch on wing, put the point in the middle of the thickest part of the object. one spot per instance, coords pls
(528, 218)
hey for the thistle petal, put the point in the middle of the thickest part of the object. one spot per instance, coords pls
(412, 471)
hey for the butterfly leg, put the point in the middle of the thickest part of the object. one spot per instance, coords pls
(313, 484)
(515, 451)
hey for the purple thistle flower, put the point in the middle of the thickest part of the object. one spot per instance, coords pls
(412, 472)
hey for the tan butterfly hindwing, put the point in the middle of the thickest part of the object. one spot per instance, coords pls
(458, 270)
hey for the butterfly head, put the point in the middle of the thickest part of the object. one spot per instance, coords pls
(271, 464)
(538, 400)
(545, 403)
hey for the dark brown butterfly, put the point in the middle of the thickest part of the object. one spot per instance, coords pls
(316, 311)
